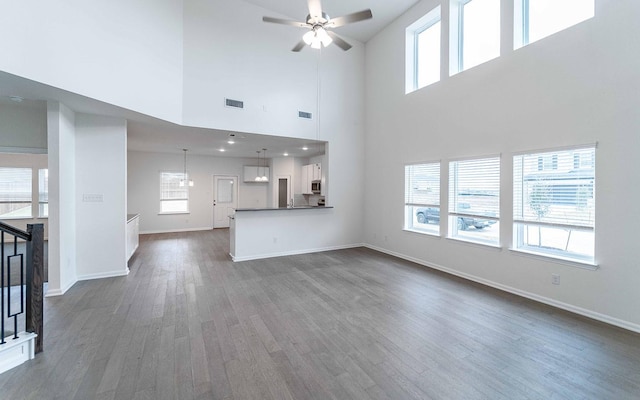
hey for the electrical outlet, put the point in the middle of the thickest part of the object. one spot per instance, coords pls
(555, 279)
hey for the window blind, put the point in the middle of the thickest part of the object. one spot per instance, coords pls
(173, 197)
(474, 187)
(422, 184)
(564, 195)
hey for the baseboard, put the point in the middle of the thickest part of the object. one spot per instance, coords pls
(522, 293)
(295, 252)
(208, 228)
(61, 291)
(110, 274)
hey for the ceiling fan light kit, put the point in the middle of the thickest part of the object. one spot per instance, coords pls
(319, 23)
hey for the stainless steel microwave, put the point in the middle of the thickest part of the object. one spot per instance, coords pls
(315, 187)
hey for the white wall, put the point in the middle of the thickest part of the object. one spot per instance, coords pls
(127, 53)
(101, 169)
(576, 87)
(62, 198)
(229, 52)
(144, 189)
(23, 129)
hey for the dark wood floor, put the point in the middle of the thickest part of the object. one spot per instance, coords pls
(187, 323)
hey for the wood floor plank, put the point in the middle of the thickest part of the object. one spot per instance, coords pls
(188, 323)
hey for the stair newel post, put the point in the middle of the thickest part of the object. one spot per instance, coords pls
(35, 279)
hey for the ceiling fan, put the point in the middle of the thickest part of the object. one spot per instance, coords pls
(319, 23)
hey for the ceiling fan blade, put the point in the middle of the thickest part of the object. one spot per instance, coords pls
(347, 19)
(281, 21)
(339, 41)
(315, 8)
(299, 46)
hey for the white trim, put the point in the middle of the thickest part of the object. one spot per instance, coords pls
(296, 252)
(548, 150)
(207, 228)
(23, 150)
(110, 274)
(61, 291)
(532, 296)
(17, 351)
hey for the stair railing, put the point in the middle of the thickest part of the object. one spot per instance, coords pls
(31, 273)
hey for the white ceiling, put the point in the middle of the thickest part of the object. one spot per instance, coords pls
(384, 11)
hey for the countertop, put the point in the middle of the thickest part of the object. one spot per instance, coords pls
(284, 209)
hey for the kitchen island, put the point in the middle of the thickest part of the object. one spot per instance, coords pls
(257, 233)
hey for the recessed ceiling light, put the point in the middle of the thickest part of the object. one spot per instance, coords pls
(230, 141)
(305, 148)
(286, 154)
(222, 150)
(17, 99)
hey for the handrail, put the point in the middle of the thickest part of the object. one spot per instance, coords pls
(14, 231)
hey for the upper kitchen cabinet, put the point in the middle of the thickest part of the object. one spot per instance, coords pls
(310, 173)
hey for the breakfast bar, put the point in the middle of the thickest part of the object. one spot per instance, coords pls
(257, 233)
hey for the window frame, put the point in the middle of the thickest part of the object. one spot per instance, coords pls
(522, 24)
(43, 205)
(179, 175)
(411, 48)
(409, 204)
(520, 223)
(456, 37)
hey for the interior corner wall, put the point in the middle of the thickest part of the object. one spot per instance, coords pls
(101, 196)
(576, 87)
(126, 53)
(62, 198)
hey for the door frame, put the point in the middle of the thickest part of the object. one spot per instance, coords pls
(276, 188)
(214, 195)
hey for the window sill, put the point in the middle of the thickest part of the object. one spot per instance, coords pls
(174, 213)
(555, 259)
(432, 234)
(476, 243)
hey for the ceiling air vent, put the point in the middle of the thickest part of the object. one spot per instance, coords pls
(304, 114)
(233, 103)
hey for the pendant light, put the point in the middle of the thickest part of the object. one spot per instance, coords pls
(184, 176)
(264, 177)
(257, 178)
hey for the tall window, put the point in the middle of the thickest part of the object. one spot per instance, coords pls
(43, 193)
(475, 33)
(15, 193)
(554, 210)
(422, 198)
(174, 199)
(423, 51)
(537, 19)
(474, 200)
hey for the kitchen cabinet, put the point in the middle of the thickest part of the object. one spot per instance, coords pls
(306, 181)
(250, 173)
(316, 171)
(310, 173)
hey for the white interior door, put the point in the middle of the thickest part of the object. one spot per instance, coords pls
(225, 199)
